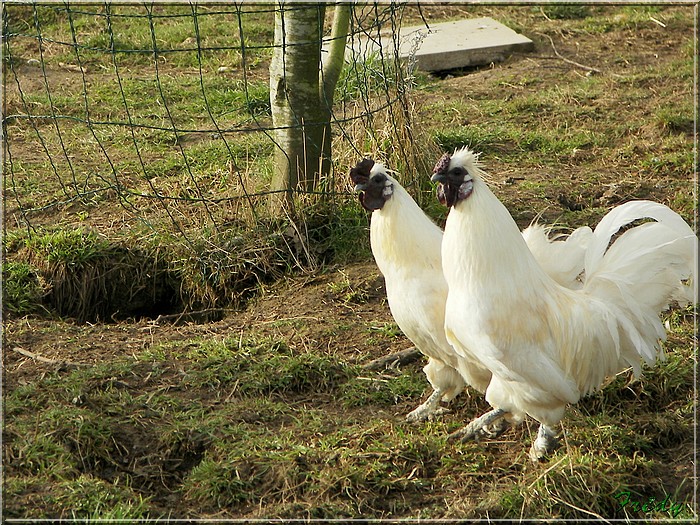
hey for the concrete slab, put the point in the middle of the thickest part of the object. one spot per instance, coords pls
(448, 45)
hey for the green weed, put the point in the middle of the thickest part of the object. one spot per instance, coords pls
(566, 11)
(95, 499)
(23, 289)
(348, 292)
(676, 119)
(629, 17)
(360, 79)
(73, 248)
(385, 390)
(41, 456)
(255, 367)
(387, 330)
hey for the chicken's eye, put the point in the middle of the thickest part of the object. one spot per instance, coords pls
(378, 179)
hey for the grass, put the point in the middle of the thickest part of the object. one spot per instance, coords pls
(553, 144)
(367, 391)
(230, 102)
(563, 12)
(239, 423)
(348, 292)
(88, 499)
(349, 462)
(80, 274)
(85, 432)
(280, 372)
(184, 34)
(73, 248)
(676, 119)
(22, 289)
(268, 413)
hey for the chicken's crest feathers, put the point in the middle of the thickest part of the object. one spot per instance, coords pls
(380, 168)
(361, 172)
(469, 160)
(461, 157)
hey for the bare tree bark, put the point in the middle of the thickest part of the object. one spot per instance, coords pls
(301, 97)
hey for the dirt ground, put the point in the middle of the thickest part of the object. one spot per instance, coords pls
(300, 309)
(305, 298)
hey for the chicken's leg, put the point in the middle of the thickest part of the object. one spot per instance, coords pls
(545, 443)
(491, 424)
(428, 409)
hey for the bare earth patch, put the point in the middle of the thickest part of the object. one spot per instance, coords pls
(186, 419)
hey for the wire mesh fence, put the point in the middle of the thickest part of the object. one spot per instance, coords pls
(165, 109)
(151, 124)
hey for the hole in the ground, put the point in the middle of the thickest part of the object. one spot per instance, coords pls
(80, 276)
(113, 289)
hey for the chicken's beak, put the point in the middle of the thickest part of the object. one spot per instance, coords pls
(360, 187)
(439, 177)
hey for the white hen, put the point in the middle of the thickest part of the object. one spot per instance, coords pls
(547, 345)
(406, 245)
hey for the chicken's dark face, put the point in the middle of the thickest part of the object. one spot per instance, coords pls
(373, 184)
(454, 181)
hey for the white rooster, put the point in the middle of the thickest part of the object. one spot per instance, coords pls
(406, 245)
(545, 344)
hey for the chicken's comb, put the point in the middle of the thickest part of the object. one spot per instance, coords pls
(442, 164)
(360, 173)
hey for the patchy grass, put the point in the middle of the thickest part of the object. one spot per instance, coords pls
(253, 426)
(23, 289)
(551, 145)
(87, 427)
(188, 36)
(259, 407)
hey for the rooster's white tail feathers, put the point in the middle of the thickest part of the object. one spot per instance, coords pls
(561, 256)
(626, 214)
(656, 256)
(644, 269)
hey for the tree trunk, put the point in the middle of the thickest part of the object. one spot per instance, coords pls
(332, 67)
(301, 97)
(294, 89)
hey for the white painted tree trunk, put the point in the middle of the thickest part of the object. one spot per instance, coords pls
(301, 97)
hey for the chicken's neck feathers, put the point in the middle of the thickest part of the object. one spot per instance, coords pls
(481, 235)
(402, 235)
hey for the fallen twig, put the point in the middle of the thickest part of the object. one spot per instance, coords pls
(657, 21)
(46, 360)
(567, 60)
(194, 316)
(396, 359)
